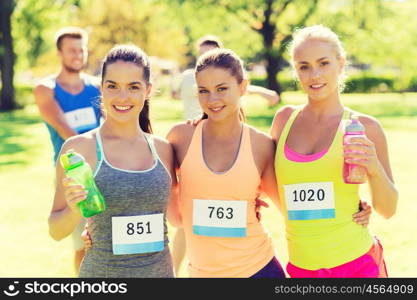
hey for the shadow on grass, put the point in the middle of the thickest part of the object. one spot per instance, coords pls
(13, 129)
(13, 162)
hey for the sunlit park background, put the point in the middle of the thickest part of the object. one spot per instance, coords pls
(379, 36)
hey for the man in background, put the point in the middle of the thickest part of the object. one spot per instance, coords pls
(187, 89)
(69, 103)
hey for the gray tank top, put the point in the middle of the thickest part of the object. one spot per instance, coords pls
(127, 193)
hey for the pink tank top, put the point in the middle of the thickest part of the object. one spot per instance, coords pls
(298, 157)
(216, 245)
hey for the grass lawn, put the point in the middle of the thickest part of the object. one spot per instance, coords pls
(26, 184)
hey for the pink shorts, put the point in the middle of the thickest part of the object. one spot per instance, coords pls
(369, 265)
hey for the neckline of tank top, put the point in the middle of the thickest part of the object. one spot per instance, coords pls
(103, 156)
(235, 158)
(310, 158)
(71, 94)
(295, 156)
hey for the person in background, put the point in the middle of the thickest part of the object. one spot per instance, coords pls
(68, 103)
(187, 90)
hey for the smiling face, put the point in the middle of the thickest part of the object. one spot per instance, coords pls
(124, 91)
(318, 68)
(219, 92)
(73, 54)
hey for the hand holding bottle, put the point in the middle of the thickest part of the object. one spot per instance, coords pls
(81, 174)
(360, 151)
(74, 193)
(353, 173)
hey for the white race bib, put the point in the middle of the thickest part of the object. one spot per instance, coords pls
(138, 234)
(81, 119)
(219, 218)
(310, 201)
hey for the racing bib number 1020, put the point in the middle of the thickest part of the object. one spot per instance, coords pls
(310, 201)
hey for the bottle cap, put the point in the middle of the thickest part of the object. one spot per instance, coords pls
(354, 125)
(71, 159)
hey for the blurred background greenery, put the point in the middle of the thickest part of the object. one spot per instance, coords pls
(377, 34)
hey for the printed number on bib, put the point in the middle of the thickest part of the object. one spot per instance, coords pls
(310, 201)
(138, 234)
(219, 218)
(81, 119)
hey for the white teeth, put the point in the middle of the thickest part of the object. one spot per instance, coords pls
(122, 107)
(217, 109)
(316, 86)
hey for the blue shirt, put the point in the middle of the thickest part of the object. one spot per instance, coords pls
(82, 111)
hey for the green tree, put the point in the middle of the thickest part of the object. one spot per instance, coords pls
(7, 100)
(35, 23)
(273, 20)
(377, 40)
(148, 24)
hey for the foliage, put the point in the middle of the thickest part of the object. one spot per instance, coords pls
(148, 24)
(369, 83)
(412, 86)
(375, 36)
(34, 25)
(287, 83)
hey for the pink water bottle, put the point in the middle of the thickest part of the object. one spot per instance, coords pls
(353, 173)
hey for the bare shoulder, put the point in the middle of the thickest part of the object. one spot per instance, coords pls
(162, 145)
(261, 142)
(180, 133)
(165, 151)
(259, 137)
(284, 113)
(85, 144)
(43, 90)
(280, 119)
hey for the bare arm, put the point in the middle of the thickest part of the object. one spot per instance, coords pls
(263, 149)
(269, 183)
(167, 156)
(270, 95)
(65, 214)
(51, 112)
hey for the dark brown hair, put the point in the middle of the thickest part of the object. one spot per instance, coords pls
(224, 59)
(133, 54)
(71, 32)
(210, 40)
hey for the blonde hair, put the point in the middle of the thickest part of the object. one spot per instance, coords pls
(322, 33)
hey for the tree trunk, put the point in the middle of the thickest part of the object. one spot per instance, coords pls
(272, 69)
(268, 34)
(7, 100)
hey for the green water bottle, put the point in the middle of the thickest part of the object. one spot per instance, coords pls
(78, 169)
